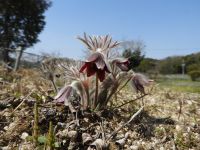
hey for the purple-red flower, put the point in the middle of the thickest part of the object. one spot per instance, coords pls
(122, 63)
(139, 81)
(63, 94)
(96, 63)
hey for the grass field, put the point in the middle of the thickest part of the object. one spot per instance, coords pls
(181, 83)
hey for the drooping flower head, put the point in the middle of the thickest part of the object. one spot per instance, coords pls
(97, 62)
(121, 63)
(73, 91)
(63, 94)
(138, 82)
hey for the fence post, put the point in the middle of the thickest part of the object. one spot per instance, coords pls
(19, 52)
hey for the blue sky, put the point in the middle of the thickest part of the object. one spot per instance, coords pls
(167, 27)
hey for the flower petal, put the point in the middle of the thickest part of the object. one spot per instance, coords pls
(83, 68)
(100, 63)
(63, 94)
(93, 57)
(122, 63)
(139, 81)
(101, 75)
(108, 67)
(91, 69)
(122, 67)
(138, 87)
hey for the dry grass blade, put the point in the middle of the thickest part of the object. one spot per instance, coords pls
(130, 101)
(22, 101)
(131, 119)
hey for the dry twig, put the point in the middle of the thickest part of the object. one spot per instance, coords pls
(125, 124)
(130, 101)
(22, 101)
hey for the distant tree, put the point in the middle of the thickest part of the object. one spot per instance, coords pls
(147, 65)
(195, 74)
(134, 51)
(192, 62)
(20, 23)
(193, 67)
(173, 64)
(192, 59)
(170, 65)
(193, 71)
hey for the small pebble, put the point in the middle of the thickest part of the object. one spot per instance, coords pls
(134, 147)
(24, 135)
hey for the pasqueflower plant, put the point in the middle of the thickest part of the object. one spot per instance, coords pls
(95, 80)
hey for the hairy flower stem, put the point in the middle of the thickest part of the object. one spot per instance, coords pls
(97, 91)
(123, 86)
(54, 86)
(115, 92)
(88, 98)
